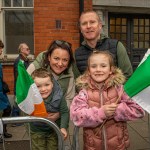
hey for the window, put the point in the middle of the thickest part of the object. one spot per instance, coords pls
(18, 24)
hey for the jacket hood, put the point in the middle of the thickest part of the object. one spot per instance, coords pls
(116, 78)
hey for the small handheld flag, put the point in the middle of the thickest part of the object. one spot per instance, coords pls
(28, 97)
(138, 85)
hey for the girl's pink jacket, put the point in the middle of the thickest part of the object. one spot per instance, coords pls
(101, 132)
(83, 116)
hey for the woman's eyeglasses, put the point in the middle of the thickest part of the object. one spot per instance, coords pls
(61, 42)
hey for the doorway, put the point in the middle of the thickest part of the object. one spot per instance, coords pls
(133, 31)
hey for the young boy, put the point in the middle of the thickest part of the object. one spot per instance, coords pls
(42, 136)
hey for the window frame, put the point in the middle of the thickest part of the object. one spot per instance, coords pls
(3, 9)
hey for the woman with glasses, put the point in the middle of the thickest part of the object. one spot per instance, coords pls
(58, 59)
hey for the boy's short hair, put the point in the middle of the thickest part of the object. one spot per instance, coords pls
(41, 73)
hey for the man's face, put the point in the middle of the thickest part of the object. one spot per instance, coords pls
(90, 26)
(25, 50)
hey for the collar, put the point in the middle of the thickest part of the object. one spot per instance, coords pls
(23, 57)
(102, 38)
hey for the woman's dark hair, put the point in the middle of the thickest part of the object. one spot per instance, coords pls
(1, 44)
(58, 44)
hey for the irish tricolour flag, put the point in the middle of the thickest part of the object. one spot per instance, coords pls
(28, 97)
(138, 85)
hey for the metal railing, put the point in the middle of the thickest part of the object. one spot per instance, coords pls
(29, 119)
(75, 141)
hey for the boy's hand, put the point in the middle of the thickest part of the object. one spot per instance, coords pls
(64, 132)
(110, 109)
(53, 116)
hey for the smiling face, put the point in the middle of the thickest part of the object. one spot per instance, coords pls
(99, 67)
(25, 49)
(44, 85)
(90, 26)
(59, 60)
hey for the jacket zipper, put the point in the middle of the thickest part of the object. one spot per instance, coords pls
(103, 128)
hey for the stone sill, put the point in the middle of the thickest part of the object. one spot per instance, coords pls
(10, 62)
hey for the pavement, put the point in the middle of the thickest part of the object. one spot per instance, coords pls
(138, 131)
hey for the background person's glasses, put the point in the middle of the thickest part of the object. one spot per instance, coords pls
(26, 49)
(61, 42)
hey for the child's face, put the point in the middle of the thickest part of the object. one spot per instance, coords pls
(44, 85)
(99, 68)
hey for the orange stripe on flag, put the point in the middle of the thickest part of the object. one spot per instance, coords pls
(40, 110)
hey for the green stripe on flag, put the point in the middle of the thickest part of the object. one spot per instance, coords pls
(24, 81)
(139, 80)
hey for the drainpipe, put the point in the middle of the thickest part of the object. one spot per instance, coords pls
(81, 9)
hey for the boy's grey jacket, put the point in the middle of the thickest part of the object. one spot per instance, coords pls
(52, 103)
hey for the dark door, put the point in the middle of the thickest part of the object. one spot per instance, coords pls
(133, 31)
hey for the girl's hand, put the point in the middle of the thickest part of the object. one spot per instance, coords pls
(64, 132)
(110, 109)
(53, 116)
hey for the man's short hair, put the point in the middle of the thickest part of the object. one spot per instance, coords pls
(20, 47)
(90, 11)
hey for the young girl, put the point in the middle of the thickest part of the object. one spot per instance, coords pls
(102, 107)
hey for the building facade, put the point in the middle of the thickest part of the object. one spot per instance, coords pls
(38, 22)
(129, 22)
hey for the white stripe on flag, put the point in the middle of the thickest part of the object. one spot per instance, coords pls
(36, 98)
(145, 57)
(33, 97)
(143, 99)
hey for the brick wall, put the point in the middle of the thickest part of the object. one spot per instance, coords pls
(8, 76)
(46, 12)
(88, 5)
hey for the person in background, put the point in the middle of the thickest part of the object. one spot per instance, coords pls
(24, 52)
(102, 107)
(91, 29)
(5, 108)
(42, 136)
